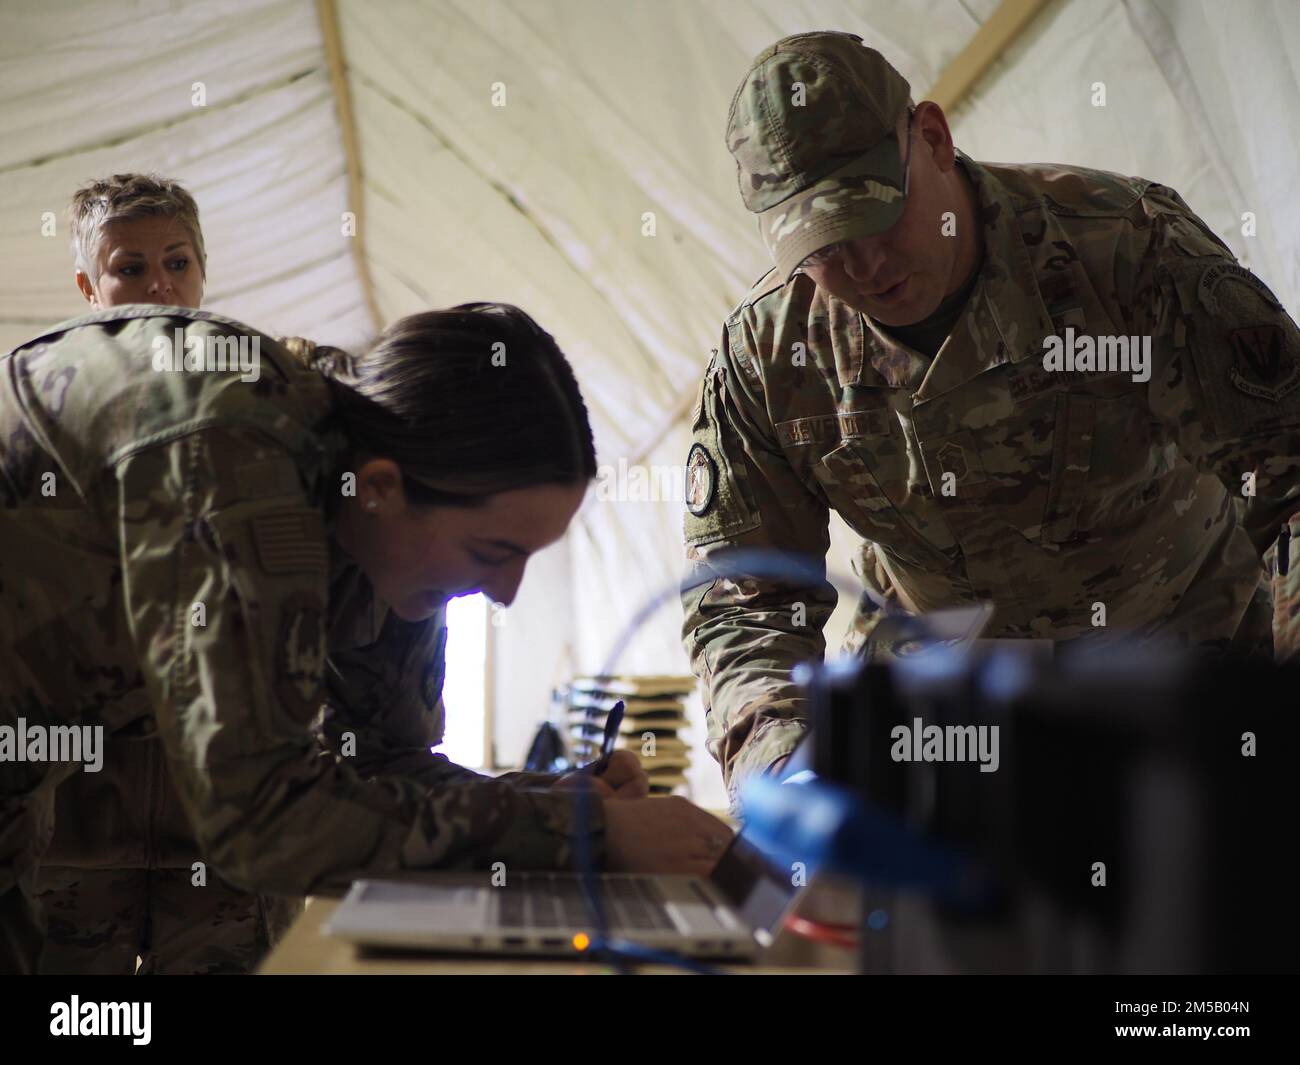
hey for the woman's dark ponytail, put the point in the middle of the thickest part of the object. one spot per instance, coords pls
(470, 401)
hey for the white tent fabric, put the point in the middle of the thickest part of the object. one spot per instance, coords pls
(85, 92)
(600, 197)
(1208, 55)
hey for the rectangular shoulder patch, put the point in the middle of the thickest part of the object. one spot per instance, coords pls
(291, 541)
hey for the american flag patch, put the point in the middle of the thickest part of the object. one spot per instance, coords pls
(291, 541)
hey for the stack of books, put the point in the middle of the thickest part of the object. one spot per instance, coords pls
(654, 716)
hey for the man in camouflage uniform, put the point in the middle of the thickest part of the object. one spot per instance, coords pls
(893, 367)
(132, 498)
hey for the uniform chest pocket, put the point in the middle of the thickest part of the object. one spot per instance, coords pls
(1029, 471)
(1072, 441)
(873, 493)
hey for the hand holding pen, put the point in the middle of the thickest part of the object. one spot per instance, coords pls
(613, 774)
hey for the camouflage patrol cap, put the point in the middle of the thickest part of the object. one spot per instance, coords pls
(813, 130)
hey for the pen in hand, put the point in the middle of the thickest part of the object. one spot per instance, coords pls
(612, 723)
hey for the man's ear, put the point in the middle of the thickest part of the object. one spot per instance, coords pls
(936, 133)
(87, 289)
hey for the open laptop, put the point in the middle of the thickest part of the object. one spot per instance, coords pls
(733, 913)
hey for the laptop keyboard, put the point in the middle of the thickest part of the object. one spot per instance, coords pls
(541, 901)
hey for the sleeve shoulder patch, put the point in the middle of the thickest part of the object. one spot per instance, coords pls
(701, 480)
(1263, 364)
(300, 653)
(719, 499)
(1246, 350)
(290, 541)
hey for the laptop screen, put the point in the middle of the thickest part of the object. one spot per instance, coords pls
(753, 883)
(758, 890)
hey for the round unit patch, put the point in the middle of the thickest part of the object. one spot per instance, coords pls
(701, 480)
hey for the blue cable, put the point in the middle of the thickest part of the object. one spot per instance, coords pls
(746, 562)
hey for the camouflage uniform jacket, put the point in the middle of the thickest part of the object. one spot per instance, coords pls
(166, 565)
(981, 474)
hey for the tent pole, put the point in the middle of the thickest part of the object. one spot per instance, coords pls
(327, 10)
(991, 40)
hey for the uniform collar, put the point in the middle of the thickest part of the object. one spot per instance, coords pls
(1004, 319)
(357, 615)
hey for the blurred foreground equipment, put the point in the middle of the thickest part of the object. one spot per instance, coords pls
(1128, 811)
